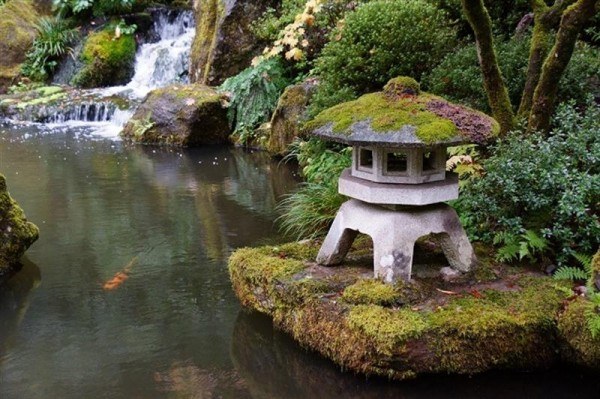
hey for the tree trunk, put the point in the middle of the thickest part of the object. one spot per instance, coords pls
(545, 20)
(544, 97)
(497, 94)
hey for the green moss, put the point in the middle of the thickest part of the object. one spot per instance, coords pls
(16, 233)
(207, 37)
(251, 268)
(407, 329)
(596, 264)
(388, 115)
(49, 90)
(403, 104)
(578, 344)
(402, 85)
(42, 100)
(107, 60)
(18, 20)
(387, 328)
(370, 291)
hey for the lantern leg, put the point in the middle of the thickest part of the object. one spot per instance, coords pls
(337, 243)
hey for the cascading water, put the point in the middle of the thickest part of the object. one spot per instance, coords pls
(164, 62)
(158, 63)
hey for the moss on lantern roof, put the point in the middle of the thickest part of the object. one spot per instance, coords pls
(403, 115)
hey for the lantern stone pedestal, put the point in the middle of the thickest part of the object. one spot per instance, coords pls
(394, 233)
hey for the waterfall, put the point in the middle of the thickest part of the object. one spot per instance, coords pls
(158, 63)
(165, 61)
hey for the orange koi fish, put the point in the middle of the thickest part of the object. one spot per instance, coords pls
(120, 277)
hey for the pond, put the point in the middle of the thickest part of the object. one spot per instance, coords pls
(169, 219)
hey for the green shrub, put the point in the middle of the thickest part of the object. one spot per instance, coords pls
(381, 40)
(458, 77)
(253, 96)
(309, 211)
(274, 20)
(505, 14)
(53, 41)
(107, 60)
(541, 193)
(98, 8)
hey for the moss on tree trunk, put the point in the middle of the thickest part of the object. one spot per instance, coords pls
(480, 21)
(544, 98)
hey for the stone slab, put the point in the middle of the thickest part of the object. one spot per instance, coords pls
(399, 194)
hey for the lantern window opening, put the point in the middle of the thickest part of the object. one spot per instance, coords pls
(365, 160)
(430, 162)
(395, 163)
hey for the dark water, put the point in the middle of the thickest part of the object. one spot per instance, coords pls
(174, 328)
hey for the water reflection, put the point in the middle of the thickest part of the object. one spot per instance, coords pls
(273, 366)
(99, 205)
(15, 300)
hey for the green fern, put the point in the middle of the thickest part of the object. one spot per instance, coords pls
(592, 315)
(570, 273)
(585, 272)
(526, 245)
(254, 93)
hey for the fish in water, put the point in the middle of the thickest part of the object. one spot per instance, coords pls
(120, 277)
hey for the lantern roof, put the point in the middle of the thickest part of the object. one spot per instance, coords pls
(403, 116)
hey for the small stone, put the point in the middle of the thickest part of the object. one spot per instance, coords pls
(449, 274)
(580, 290)
(550, 269)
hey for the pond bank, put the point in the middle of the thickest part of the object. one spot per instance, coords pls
(495, 318)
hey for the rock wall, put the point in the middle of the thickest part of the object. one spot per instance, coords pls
(224, 44)
(17, 32)
(16, 233)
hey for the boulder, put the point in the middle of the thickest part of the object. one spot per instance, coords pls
(16, 233)
(106, 60)
(179, 115)
(17, 32)
(290, 111)
(224, 44)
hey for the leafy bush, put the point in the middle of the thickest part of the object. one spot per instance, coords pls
(505, 14)
(274, 20)
(539, 195)
(381, 40)
(253, 96)
(458, 77)
(54, 38)
(96, 7)
(308, 212)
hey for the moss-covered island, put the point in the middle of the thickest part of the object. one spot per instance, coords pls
(16, 233)
(493, 318)
(402, 109)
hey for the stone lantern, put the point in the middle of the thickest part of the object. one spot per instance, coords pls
(398, 182)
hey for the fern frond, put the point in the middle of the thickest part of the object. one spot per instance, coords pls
(585, 260)
(592, 315)
(570, 273)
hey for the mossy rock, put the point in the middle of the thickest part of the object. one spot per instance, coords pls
(224, 44)
(107, 60)
(426, 326)
(18, 20)
(578, 344)
(179, 115)
(403, 115)
(288, 116)
(16, 233)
